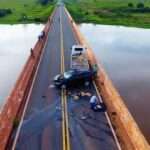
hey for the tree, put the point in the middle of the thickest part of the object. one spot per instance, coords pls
(130, 5)
(140, 5)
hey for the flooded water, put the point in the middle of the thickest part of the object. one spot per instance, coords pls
(125, 55)
(15, 44)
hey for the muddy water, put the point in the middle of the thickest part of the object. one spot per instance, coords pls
(125, 54)
(15, 44)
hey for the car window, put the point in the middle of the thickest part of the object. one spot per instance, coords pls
(68, 74)
(78, 49)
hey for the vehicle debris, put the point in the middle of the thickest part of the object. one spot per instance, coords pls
(79, 95)
(51, 86)
(83, 117)
(58, 108)
(75, 97)
(86, 94)
(43, 96)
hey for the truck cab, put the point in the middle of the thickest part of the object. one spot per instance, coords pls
(77, 50)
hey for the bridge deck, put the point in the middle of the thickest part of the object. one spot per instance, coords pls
(54, 119)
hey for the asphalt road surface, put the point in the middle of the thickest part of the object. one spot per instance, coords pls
(56, 119)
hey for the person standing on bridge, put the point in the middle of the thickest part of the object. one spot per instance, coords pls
(32, 52)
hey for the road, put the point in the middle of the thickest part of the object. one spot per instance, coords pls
(54, 119)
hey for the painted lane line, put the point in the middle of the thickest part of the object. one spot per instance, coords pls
(62, 92)
(66, 137)
(67, 122)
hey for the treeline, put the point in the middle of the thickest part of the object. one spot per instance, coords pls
(4, 12)
(127, 11)
(45, 2)
(139, 7)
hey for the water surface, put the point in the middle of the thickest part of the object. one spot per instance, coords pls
(15, 44)
(125, 55)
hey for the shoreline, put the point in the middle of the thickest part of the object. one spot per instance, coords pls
(81, 22)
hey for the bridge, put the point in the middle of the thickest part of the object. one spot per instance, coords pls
(45, 117)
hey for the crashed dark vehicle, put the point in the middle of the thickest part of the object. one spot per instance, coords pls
(73, 77)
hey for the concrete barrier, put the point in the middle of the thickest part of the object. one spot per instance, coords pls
(129, 134)
(14, 105)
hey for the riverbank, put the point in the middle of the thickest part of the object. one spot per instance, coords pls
(111, 12)
(25, 11)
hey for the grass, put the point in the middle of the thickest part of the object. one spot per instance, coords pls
(25, 11)
(114, 12)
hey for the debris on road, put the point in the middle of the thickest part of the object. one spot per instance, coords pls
(51, 86)
(43, 96)
(58, 108)
(83, 117)
(79, 95)
(75, 97)
(86, 94)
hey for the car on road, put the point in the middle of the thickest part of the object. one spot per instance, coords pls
(73, 77)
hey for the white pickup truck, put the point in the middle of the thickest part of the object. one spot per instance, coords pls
(78, 58)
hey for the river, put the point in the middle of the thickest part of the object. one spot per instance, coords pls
(123, 51)
(125, 55)
(15, 44)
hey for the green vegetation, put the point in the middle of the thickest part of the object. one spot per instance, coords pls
(25, 11)
(116, 12)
